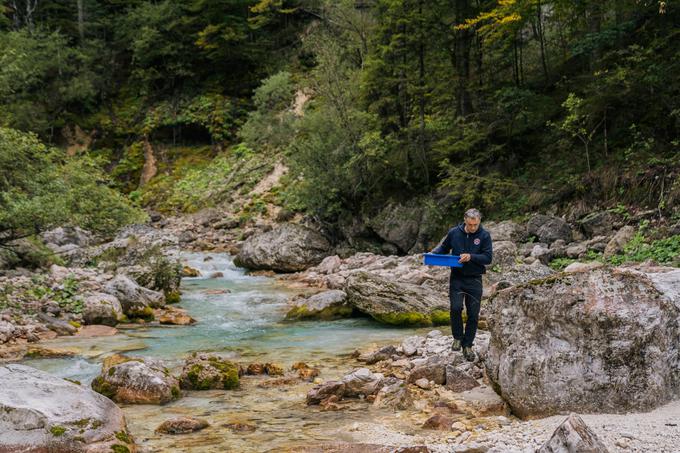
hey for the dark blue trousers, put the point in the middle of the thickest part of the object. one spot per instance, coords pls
(468, 290)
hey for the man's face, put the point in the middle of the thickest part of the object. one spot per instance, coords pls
(471, 225)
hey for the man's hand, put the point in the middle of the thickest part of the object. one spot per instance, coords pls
(464, 258)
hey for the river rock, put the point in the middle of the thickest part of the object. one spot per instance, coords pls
(134, 299)
(439, 422)
(134, 380)
(581, 332)
(548, 228)
(573, 435)
(384, 353)
(206, 371)
(102, 308)
(619, 241)
(325, 305)
(44, 413)
(396, 303)
(324, 391)
(174, 316)
(286, 248)
(504, 253)
(362, 382)
(433, 369)
(59, 326)
(458, 380)
(394, 394)
(329, 265)
(506, 230)
(182, 425)
(583, 267)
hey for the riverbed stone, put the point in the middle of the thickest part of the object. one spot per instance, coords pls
(102, 308)
(573, 435)
(182, 425)
(206, 371)
(44, 413)
(136, 380)
(134, 299)
(325, 390)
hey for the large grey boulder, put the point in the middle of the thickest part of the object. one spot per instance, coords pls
(330, 304)
(573, 436)
(102, 308)
(43, 413)
(600, 223)
(399, 223)
(134, 299)
(287, 248)
(506, 230)
(396, 303)
(548, 229)
(600, 341)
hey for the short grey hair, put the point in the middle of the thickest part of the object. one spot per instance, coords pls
(473, 214)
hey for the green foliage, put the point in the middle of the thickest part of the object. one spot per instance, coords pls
(270, 125)
(39, 75)
(559, 264)
(65, 294)
(663, 251)
(207, 183)
(40, 189)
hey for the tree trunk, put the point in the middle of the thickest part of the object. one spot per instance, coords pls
(462, 58)
(541, 39)
(594, 17)
(421, 97)
(81, 20)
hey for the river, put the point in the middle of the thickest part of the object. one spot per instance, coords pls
(240, 316)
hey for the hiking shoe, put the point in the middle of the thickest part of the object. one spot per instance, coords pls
(469, 354)
(455, 346)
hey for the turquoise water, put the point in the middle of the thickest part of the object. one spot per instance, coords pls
(246, 323)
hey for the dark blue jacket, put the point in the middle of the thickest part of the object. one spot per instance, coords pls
(477, 244)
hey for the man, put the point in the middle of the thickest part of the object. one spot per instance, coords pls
(473, 244)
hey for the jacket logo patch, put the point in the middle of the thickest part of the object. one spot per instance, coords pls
(477, 241)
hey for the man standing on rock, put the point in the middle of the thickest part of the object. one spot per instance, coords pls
(473, 244)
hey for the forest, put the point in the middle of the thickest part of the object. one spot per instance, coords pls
(512, 106)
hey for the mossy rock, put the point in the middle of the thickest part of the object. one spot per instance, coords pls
(145, 314)
(327, 314)
(213, 373)
(102, 387)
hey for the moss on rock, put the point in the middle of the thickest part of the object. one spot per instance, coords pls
(440, 317)
(213, 373)
(405, 319)
(329, 313)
